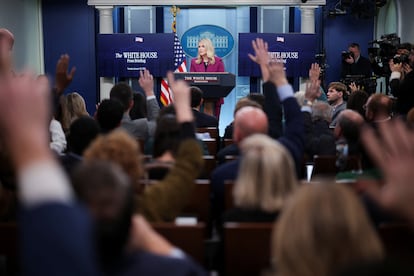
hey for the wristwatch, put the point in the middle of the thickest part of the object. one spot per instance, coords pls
(307, 102)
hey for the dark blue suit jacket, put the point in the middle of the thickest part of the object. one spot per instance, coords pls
(57, 239)
(144, 263)
(204, 120)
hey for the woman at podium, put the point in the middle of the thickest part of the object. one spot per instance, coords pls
(207, 61)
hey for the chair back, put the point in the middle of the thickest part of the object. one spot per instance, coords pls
(189, 238)
(247, 247)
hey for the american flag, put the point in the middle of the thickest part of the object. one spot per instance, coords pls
(179, 65)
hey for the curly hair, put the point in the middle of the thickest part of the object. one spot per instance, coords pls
(119, 147)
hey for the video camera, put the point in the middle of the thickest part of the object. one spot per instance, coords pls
(387, 48)
(367, 84)
(345, 55)
(400, 59)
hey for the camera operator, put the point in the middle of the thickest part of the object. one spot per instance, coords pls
(402, 81)
(380, 57)
(355, 64)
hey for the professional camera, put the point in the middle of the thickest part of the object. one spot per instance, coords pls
(346, 55)
(387, 49)
(367, 84)
(400, 59)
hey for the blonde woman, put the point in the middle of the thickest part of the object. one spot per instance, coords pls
(76, 106)
(323, 229)
(207, 61)
(266, 178)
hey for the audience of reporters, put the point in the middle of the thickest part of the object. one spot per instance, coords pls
(49, 205)
(164, 200)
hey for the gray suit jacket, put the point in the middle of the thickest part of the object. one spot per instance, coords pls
(145, 127)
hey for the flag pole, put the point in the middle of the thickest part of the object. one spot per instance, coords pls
(166, 96)
(174, 10)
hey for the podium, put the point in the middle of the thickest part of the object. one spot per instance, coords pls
(214, 85)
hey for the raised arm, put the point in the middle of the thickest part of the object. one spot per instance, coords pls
(62, 76)
(172, 193)
(146, 81)
(44, 190)
(393, 152)
(272, 106)
(294, 134)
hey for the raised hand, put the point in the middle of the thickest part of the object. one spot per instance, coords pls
(313, 90)
(395, 67)
(277, 73)
(62, 77)
(354, 87)
(261, 56)
(314, 72)
(182, 98)
(393, 152)
(25, 116)
(146, 81)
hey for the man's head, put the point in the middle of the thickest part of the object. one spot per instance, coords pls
(258, 98)
(355, 49)
(243, 102)
(124, 94)
(109, 114)
(81, 133)
(196, 97)
(6, 48)
(378, 107)
(348, 125)
(336, 91)
(247, 121)
(106, 191)
(321, 111)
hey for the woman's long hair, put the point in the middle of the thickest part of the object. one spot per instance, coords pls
(210, 51)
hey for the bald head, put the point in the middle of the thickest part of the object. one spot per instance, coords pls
(348, 125)
(378, 107)
(247, 121)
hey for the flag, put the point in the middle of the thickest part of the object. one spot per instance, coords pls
(179, 65)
